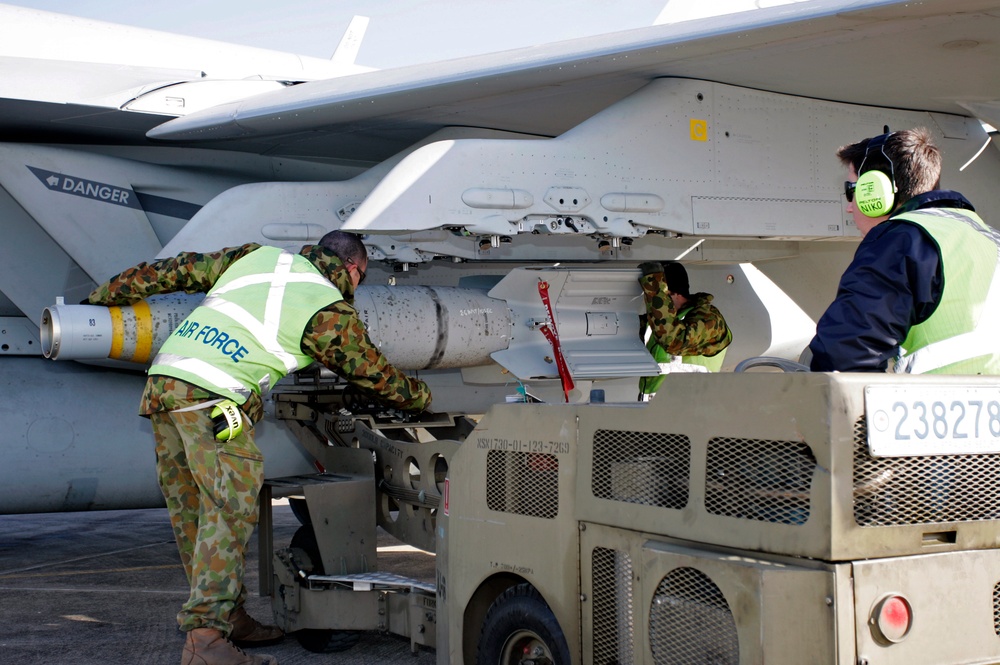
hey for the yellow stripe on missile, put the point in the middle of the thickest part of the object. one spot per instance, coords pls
(117, 332)
(143, 332)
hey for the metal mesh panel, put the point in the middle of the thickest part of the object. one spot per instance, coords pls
(642, 467)
(614, 634)
(767, 481)
(522, 483)
(893, 491)
(690, 621)
(996, 608)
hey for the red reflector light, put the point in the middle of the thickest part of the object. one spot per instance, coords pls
(539, 462)
(891, 619)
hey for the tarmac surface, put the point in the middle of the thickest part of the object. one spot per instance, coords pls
(100, 588)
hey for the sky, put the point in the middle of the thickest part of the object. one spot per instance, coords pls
(400, 32)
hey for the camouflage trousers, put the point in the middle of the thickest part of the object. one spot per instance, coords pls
(211, 490)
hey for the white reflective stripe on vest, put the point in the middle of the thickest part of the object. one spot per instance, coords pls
(202, 368)
(981, 341)
(266, 331)
(266, 336)
(286, 259)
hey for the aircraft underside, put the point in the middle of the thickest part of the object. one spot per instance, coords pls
(465, 227)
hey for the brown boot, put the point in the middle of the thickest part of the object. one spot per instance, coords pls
(248, 632)
(207, 646)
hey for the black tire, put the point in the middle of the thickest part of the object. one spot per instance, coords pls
(317, 640)
(300, 510)
(520, 627)
(306, 549)
(321, 640)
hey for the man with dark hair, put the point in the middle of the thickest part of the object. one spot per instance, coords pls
(268, 313)
(347, 246)
(684, 328)
(922, 293)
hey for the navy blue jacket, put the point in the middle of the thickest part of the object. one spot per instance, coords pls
(894, 282)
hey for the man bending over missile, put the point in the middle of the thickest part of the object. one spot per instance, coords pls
(267, 313)
(685, 327)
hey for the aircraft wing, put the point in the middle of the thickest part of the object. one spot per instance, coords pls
(68, 78)
(934, 55)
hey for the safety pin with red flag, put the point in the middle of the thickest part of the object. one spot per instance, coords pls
(552, 334)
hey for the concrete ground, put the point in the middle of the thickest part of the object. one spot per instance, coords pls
(102, 588)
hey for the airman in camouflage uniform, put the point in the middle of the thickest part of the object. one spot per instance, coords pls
(682, 324)
(211, 487)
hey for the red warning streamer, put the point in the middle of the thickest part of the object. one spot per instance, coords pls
(551, 334)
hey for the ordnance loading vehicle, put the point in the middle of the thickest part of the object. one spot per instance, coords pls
(750, 517)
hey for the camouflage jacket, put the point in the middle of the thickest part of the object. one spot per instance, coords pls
(335, 336)
(702, 332)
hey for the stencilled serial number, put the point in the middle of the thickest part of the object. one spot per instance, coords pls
(523, 446)
(511, 568)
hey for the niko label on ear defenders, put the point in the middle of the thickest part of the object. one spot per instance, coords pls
(875, 191)
(874, 194)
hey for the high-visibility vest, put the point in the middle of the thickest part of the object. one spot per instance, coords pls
(650, 384)
(962, 336)
(247, 333)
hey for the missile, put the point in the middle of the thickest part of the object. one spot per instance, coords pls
(595, 313)
(434, 327)
(130, 333)
(417, 327)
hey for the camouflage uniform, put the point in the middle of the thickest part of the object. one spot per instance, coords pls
(211, 488)
(702, 332)
(211, 491)
(695, 336)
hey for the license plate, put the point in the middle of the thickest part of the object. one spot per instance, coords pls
(905, 421)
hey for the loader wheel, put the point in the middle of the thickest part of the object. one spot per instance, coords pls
(300, 510)
(307, 550)
(317, 640)
(322, 640)
(519, 629)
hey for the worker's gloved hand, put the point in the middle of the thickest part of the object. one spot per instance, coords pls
(650, 267)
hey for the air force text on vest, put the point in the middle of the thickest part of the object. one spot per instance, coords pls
(213, 337)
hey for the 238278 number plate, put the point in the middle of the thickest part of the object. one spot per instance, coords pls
(932, 420)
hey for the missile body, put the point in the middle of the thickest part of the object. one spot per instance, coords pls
(594, 313)
(433, 327)
(132, 333)
(416, 327)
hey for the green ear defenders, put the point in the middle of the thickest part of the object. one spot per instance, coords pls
(875, 192)
(227, 421)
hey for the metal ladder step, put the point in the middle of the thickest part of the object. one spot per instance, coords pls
(375, 581)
